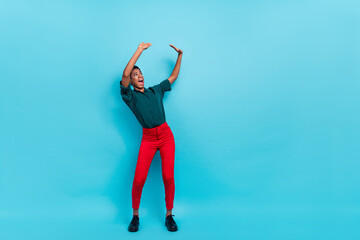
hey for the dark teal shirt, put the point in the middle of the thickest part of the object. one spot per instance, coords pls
(147, 106)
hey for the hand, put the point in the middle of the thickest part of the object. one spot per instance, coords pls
(176, 49)
(144, 45)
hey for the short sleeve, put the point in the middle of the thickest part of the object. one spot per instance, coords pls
(166, 85)
(126, 93)
(162, 87)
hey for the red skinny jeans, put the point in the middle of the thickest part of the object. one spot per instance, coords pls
(153, 139)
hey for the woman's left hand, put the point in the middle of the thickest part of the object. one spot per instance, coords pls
(176, 49)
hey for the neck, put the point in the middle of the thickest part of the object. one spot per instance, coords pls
(139, 89)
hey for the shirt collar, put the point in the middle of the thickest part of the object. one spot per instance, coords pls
(145, 90)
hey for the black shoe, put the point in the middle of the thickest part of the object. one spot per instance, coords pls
(134, 224)
(171, 224)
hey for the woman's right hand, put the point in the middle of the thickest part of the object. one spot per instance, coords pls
(144, 45)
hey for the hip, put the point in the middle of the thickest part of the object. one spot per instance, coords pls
(155, 133)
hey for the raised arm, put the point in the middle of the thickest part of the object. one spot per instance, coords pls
(125, 80)
(176, 70)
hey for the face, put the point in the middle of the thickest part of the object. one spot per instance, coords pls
(137, 79)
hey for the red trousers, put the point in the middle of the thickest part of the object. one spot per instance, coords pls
(153, 139)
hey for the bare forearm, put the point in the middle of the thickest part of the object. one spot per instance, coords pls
(129, 67)
(176, 70)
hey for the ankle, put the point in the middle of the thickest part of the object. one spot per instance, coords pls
(136, 212)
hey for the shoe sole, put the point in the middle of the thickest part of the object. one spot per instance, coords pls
(172, 230)
(169, 229)
(133, 230)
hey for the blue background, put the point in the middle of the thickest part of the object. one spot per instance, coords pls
(265, 114)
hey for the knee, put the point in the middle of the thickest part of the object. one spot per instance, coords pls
(139, 181)
(168, 179)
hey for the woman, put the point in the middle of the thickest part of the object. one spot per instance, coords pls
(147, 106)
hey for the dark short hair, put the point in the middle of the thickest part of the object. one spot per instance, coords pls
(135, 67)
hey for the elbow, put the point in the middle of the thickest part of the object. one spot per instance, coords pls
(172, 78)
(126, 74)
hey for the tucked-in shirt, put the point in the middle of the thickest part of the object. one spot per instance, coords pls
(147, 106)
